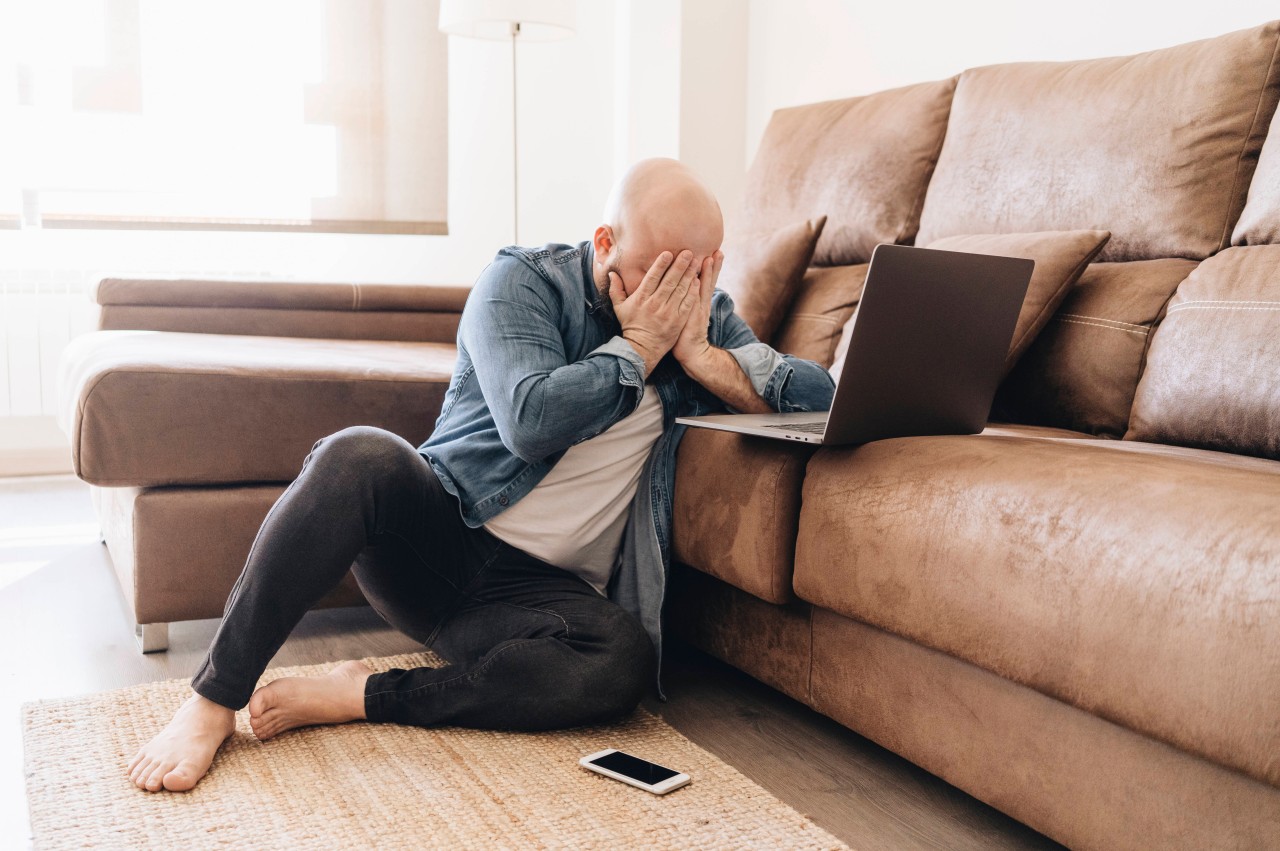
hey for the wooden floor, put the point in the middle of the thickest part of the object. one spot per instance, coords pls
(64, 630)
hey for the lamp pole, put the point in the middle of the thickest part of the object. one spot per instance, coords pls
(517, 20)
(515, 141)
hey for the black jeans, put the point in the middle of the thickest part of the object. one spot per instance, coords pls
(529, 646)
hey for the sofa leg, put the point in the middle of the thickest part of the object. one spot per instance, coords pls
(152, 637)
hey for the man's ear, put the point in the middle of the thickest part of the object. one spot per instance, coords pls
(603, 242)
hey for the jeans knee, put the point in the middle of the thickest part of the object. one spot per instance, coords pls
(361, 451)
(626, 669)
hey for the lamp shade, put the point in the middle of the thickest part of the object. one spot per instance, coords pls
(539, 20)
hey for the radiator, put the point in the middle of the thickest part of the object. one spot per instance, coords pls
(40, 312)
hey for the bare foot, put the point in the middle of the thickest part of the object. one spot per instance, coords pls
(181, 754)
(290, 702)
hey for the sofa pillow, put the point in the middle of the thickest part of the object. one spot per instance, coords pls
(1260, 220)
(763, 274)
(1060, 258)
(1081, 371)
(828, 296)
(1213, 371)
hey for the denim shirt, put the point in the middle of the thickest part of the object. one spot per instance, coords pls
(542, 366)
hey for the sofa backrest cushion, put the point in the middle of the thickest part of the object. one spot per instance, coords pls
(1158, 148)
(763, 274)
(1083, 368)
(1260, 222)
(407, 312)
(1213, 372)
(863, 162)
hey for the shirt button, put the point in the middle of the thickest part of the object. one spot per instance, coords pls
(502, 500)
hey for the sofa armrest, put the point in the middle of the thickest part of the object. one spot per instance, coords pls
(408, 312)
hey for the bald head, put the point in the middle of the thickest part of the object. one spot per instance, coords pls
(657, 205)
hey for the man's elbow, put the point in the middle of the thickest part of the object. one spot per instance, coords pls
(526, 444)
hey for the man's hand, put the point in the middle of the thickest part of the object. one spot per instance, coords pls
(692, 344)
(654, 316)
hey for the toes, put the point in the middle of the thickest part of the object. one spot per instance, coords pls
(155, 780)
(261, 701)
(133, 763)
(265, 722)
(143, 771)
(182, 778)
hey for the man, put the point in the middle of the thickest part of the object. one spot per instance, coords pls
(527, 540)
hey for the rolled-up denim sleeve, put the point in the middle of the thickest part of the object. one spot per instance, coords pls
(541, 402)
(786, 382)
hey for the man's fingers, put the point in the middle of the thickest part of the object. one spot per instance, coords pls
(686, 278)
(692, 294)
(676, 271)
(616, 292)
(655, 274)
(710, 272)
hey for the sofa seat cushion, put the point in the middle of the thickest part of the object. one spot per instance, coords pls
(1138, 582)
(145, 408)
(735, 509)
(737, 506)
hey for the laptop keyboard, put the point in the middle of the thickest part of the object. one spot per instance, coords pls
(815, 427)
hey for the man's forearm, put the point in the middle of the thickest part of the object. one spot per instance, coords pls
(718, 371)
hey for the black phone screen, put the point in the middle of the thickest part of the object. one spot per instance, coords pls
(635, 768)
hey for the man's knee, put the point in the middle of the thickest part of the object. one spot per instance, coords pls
(362, 451)
(626, 669)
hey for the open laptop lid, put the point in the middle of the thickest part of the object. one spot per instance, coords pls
(928, 346)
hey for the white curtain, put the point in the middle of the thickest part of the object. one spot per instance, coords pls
(224, 114)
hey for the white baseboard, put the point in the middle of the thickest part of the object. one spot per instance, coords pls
(33, 446)
(35, 462)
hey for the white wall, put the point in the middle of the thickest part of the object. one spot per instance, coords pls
(801, 51)
(713, 103)
(680, 88)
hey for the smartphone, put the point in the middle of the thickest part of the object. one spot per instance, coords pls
(640, 773)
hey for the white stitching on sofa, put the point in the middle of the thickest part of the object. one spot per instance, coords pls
(1198, 306)
(355, 296)
(830, 320)
(1142, 333)
(1225, 301)
(1104, 319)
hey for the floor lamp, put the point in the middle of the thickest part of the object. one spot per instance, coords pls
(517, 20)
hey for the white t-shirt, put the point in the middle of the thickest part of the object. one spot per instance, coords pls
(574, 518)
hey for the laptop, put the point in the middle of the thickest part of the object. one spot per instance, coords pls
(926, 354)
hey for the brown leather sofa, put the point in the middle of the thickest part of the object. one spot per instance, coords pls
(1074, 616)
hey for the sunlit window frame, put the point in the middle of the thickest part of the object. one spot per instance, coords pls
(97, 221)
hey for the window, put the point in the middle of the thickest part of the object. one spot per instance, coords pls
(307, 115)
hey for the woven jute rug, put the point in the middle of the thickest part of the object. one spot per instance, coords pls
(381, 786)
